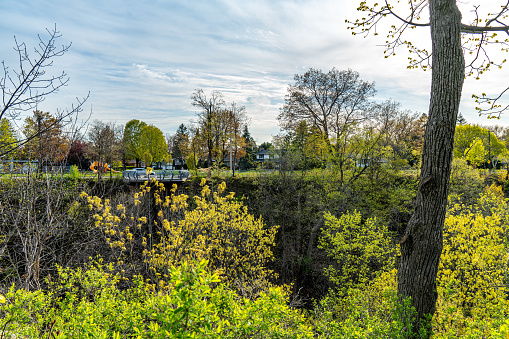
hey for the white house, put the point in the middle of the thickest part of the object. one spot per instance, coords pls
(266, 155)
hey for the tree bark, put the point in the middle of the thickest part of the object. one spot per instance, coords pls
(421, 246)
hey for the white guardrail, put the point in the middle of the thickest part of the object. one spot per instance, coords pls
(160, 175)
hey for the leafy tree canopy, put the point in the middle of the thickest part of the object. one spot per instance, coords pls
(8, 137)
(330, 101)
(479, 140)
(152, 140)
(46, 141)
(131, 141)
(181, 145)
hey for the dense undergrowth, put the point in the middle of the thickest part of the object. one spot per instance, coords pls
(290, 255)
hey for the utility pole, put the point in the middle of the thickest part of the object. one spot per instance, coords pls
(232, 126)
(231, 160)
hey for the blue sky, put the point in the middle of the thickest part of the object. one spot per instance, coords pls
(143, 59)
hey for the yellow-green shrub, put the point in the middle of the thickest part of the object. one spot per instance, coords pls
(361, 250)
(465, 182)
(472, 280)
(219, 230)
(88, 304)
(371, 310)
(363, 302)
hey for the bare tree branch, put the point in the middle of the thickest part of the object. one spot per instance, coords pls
(24, 88)
(482, 29)
(28, 85)
(408, 21)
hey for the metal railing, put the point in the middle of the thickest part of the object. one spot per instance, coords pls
(162, 175)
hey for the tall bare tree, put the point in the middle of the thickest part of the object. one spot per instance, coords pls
(237, 120)
(421, 245)
(331, 101)
(208, 119)
(35, 215)
(104, 143)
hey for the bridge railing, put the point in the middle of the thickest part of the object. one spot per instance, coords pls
(161, 175)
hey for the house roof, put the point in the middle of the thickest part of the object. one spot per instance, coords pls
(263, 151)
(227, 158)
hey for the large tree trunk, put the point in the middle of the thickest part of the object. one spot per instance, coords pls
(421, 245)
(209, 157)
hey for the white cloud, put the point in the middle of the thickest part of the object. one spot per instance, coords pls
(144, 59)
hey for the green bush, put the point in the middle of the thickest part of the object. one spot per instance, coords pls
(371, 310)
(88, 304)
(466, 183)
(360, 250)
(74, 172)
(473, 277)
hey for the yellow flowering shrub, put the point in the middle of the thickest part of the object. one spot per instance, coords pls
(219, 230)
(472, 280)
(370, 310)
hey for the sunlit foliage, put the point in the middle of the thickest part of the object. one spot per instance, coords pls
(88, 304)
(476, 144)
(371, 310)
(219, 229)
(8, 137)
(472, 282)
(360, 249)
(473, 274)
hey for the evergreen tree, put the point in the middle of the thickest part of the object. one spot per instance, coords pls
(266, 145)
(8, 137)
(461, 120)
(248, 161)
(181, 147)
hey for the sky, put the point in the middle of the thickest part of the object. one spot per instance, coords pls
(144, 59)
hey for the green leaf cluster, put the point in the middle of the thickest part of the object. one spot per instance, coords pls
(144, 142)
(8, 137)
(90, 304)
(473, 277)
(372, 310)
(475, 144)
(360, 250)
